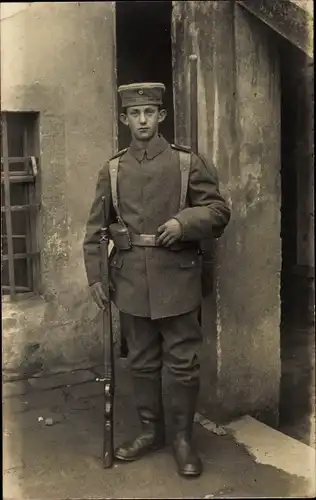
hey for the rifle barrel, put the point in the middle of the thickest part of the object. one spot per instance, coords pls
(193, 103)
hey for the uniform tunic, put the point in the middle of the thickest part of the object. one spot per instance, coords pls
(155, 282)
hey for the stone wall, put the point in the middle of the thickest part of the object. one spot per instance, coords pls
(239, 130)
(58, 59)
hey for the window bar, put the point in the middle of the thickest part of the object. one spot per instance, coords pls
(33, 245)
(35, 229)
(24, 289)
(15, 159)
(28, 214)
(20, 208)
(18, 179)
(7, 202)
(19, 256)
(34, 218)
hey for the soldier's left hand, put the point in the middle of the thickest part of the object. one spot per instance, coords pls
(169, 232)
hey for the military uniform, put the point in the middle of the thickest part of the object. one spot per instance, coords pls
(158, 289)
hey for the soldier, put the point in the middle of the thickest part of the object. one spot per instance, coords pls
(157, 211)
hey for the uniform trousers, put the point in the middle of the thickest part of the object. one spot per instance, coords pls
(175, 341)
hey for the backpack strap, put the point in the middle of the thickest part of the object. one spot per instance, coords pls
(185, 164)
(113, 169)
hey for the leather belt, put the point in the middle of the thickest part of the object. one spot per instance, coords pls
(144, 240)
(150, 240)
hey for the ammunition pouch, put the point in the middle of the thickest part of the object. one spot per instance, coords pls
(120, 236)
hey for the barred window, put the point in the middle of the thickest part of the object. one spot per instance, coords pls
(20, 203)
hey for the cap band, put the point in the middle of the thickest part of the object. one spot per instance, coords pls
(139, 94)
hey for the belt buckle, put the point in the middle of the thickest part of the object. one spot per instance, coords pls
(149, 239)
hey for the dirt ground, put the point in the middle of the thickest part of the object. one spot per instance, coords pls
(61, 458)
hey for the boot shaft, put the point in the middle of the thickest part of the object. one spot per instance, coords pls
(184, 403)
(148, 400)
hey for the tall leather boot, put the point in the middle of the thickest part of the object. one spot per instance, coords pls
(184, 400)
(148, 395)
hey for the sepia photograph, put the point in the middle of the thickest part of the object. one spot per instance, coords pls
(157, 249)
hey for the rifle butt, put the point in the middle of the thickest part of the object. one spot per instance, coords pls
(108, 395)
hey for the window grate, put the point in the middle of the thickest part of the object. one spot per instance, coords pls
(20, 203)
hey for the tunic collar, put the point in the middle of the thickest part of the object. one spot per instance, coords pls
(156, 146)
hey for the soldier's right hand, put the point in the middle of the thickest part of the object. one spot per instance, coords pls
(98, 295)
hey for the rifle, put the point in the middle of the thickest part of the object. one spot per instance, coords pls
(108, 355)
(193, 103)
(207, 244)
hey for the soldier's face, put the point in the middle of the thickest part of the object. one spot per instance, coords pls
(143, 121)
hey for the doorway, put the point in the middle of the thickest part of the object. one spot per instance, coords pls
(297, 396)
(144, 54)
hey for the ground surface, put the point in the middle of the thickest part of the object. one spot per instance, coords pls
(59, 461)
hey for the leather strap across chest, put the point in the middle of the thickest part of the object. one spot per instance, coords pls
(114, 166)
(185, 163)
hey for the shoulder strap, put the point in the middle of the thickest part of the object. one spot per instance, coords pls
(185, 163)
(113, 168)
(177, 147)
(184, 153)
(119, 153)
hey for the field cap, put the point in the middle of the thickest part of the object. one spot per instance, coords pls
(140, 94)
